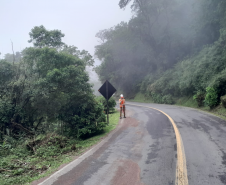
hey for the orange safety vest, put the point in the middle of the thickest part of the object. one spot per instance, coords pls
(122, 102)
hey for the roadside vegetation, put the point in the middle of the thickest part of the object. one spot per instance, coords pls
(169, 52)
(20, 164)
(218, 110)
(48, 110)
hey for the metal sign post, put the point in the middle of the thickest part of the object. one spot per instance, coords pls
(107, 90)
(107, 102)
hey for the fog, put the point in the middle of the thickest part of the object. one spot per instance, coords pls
(136, 44)
(138, 54)
(78, 20)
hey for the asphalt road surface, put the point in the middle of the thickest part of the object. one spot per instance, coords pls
(144, 150)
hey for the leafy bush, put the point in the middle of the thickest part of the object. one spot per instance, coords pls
(47, 86)
(219, 82)
(206, 68)
(211, 97)
(111, 103)
(223, 100)
(199, 97)
(167, 99)
(51, 86)
(157, 98)
(83, 119)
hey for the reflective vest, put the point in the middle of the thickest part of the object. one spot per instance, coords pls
(122, 102)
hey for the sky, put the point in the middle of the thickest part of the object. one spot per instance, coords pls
(79, 20)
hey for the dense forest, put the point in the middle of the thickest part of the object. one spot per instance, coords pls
(168, 49)
(48, 107)
(46, 88)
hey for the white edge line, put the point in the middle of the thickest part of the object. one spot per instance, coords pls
(57, 172)
(80, 157)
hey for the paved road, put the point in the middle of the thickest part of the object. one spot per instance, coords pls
(143, 150)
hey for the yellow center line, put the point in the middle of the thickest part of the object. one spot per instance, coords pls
(181, 171)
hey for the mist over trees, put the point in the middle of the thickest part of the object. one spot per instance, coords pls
(168, 49)
(10, 57)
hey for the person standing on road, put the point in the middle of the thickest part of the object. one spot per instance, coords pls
(122, 103)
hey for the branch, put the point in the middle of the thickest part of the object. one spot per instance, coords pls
(13, 53)
(40, 120)
(21, 127)
(123, 3)
(2, 170)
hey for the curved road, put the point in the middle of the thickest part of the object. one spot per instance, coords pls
(143, 150)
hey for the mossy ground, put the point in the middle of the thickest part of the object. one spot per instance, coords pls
(22, 166)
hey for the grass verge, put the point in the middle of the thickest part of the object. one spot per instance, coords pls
(141, 98)
(21, 164)
(219, 111)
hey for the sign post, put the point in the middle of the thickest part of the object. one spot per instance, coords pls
(107, 90)
(107, 102)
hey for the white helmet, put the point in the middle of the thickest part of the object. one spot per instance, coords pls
(121, 95)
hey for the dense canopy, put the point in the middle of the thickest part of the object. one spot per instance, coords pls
(169, 49)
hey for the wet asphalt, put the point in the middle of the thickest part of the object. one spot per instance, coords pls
(204, 139)
(142, 150)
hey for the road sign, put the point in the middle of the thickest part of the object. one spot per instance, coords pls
(107, 90)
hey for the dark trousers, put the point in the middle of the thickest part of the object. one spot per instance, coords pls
(123, 108)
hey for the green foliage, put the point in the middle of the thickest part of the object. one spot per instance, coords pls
(186, 101)
(142, 98)
(7, 72)
(83, 55)
(48, 87)
(48, 82)
(223, 100)
(209, 21)
(120, 54)
(211, 97)
(25, 160)
(83, 117)
(157, 98)
(195, 74)
(9, 57)
(111, 103)
(167, 99)
(162, 99)
(147, 45)
(199, 97)
(44, 38)
(177, 56)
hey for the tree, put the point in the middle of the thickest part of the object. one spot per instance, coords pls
(48, 85)
(210, 19)
(41, 37)
(120, 55)
(124, 3)
(84, 55)
(9, 57)
(159, 35)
